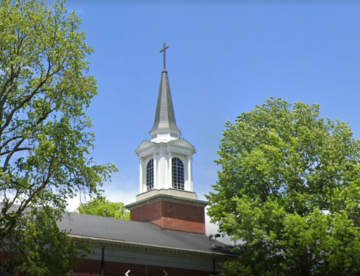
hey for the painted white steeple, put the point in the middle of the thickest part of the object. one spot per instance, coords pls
(166, 160)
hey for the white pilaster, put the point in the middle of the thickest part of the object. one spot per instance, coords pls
(155, 171)
(169, 180)
(189, 186)
(141, 176)
(190, 174)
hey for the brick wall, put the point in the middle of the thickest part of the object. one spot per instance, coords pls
(170, 215)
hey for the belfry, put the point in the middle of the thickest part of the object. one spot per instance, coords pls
(166, 195)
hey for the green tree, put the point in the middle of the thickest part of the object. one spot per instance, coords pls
(289, 188)
(43, 248)
(100, 206)
(44, 130)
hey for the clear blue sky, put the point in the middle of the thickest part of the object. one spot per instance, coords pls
(224, 58)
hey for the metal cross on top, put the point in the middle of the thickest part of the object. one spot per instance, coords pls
(163, 50)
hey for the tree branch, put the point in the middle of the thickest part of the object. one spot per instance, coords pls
(18, 149)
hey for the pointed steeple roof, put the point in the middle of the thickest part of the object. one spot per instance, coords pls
(165, 116)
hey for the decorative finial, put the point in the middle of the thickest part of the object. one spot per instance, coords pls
(163, 50)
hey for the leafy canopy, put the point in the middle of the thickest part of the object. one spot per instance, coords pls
(289, 188)
(45, 140)
(98, 205)
(43, 248)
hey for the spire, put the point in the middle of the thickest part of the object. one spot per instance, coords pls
(164, 123)
(165, 116)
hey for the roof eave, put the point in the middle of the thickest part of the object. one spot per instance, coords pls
(142, 246)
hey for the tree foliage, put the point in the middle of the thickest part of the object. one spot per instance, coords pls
(100, 206)
(43, 249)
(289, 188)
(44, 130)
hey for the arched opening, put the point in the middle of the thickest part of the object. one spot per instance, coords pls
(177, 174)
(150, 175)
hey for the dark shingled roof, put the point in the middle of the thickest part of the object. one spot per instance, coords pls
(164, 116)
(143, 233)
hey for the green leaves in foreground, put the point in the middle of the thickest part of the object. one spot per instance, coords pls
(43, 249)
(45, 141)
(289, 188)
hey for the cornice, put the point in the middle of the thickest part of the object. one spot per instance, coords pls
(167, 198)
(180, 143)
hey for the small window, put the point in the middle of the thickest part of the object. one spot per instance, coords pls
(177, 174)
(150, 175)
